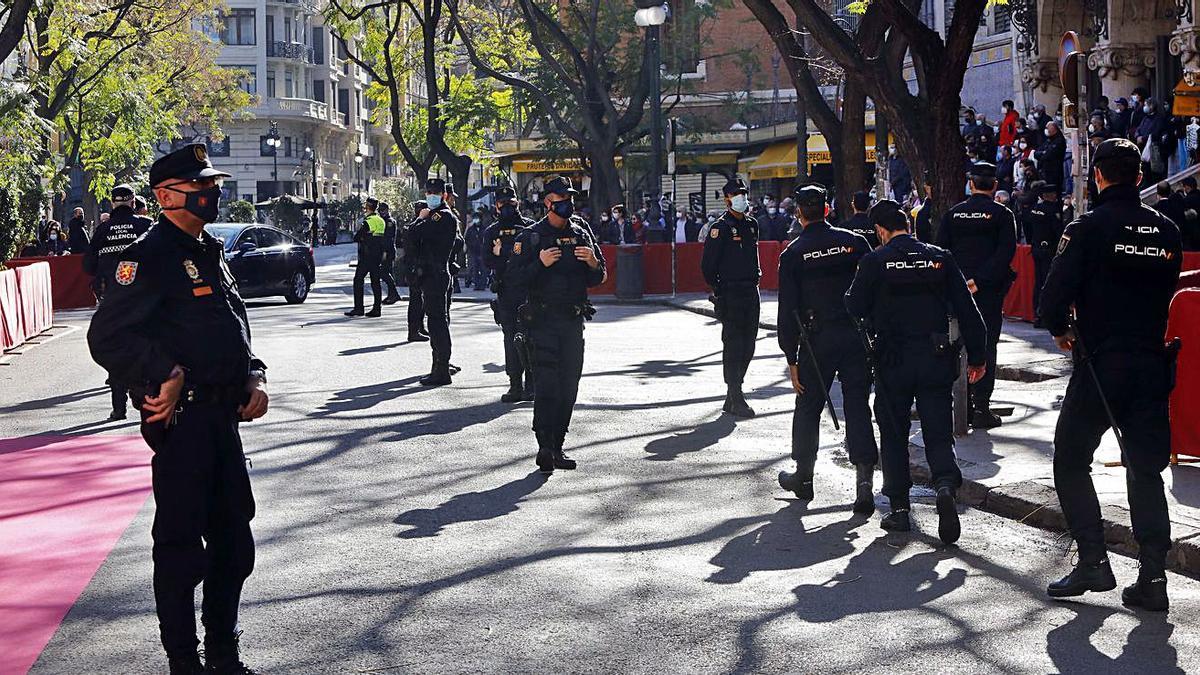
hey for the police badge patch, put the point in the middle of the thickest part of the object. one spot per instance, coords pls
(1062, 243)
(190, 268)
(517, 248)
(714, 233)
(126, 272)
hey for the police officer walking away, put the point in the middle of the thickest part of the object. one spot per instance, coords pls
(982, 236)
(903, 290)
(1043, 228)
(555, 261)
(370, 257)
(1118, 265)
(174, 329)
(388, 261)
(815, 271)
(859, 223)
(730, 267)
(122, 229)
(433, 238)
(416, 303)
(497, 243)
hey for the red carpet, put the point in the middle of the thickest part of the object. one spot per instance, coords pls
(64, 502)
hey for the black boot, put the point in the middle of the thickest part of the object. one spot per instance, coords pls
(984, 418)
(188, 664)
(515, 391)
(801, 485)
(375, 313)
(897, 520)
(530, 391)
(949, 528)
(545, 455)
(116, 415)
(454, 370)
(864, 501)
(417, 337)
(1087, 576)
(222, 657)
(392, 298)
(439, 376)
(736, 403)
(357, 311)
(1150, 590)
(561, 460)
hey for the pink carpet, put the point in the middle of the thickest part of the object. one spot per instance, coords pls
(64, 502)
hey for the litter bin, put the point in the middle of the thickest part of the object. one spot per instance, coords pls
(630, 282)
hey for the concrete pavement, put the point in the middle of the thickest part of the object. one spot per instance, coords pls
(403, 530)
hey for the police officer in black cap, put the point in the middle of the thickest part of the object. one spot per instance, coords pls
(903, 291)
(173, 328)
(554, 261)
(370, 257)
(111, 237)
(1118, 265)
(416, 302)
(860, 223)
(815, 271)
(982, 236)
(730, 267)
(388, 262)
(433, 241)
(498, 241)
(1043, 227)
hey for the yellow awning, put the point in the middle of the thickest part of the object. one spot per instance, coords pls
(1187, 100)
(779, 159)
(547, 166)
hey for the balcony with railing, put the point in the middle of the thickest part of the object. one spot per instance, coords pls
(290, 50)
(294, 108)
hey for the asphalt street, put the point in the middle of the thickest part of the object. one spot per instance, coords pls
(405, 530)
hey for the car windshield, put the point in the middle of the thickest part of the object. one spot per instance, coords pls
(226, 233)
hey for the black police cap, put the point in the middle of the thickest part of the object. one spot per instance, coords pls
(372, 202)
(889, 215)
(384, 206)
(982, 170)
(561, 186)
(122, 192)
(435, 186)
(810, 195)
(1047, 188)
(735, 186)
(1117, 148)
(505, 194)
(187, 163)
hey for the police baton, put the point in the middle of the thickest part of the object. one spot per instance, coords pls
(1086, 359)
(812, 358)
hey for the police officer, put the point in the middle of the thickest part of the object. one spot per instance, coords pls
(1043, 228)
(903, 291)
(433, 241)
(555, 261)
(174, 329)
(389, 254)
(416, 302)
(1118, 265)
(730, 267)
(122, 229)
(497, 242)
(923, 227)
(859, 223)
(370, 257)
(982, 236)
(815, 271)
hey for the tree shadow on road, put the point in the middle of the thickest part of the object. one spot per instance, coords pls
(783, 544)
(1147, 649)
(469, 507)
(366, 397)
(695, 439)
(53, 401)
(372, 349)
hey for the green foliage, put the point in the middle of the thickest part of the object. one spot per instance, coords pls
(15, 231)
(242, 211)
(288, 216)
(397, 193)
(348, 210)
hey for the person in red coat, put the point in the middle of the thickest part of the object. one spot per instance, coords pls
(1008, 124)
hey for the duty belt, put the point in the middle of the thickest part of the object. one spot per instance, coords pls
(198, 394)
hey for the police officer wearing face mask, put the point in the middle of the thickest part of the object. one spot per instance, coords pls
(903, 291)
(730, 267)
(174, 329)
(814, 273)
(498, 241)
(1043, 227)
(416, 302)
(1118, 265)
(111, 237)
(434, 240)
(370, 238)
(388, 263)
(982, 236)
(555, 261)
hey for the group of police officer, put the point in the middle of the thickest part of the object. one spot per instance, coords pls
(172, 329)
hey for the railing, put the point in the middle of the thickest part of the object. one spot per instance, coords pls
(295, 107)
(290, 50)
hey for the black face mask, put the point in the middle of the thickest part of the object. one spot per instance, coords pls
(563, 209)
(204, 204)
(508, 212)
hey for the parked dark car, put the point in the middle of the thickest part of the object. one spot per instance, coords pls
(266, 261)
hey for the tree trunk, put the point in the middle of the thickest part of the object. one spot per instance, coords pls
(606, 180)
(852, 150)
(460, 174)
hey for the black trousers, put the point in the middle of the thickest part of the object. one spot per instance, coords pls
(120, 394)
(366, 266)
(1041, 269)
(1137, 384)
(203, 508)
(557, 367)
(991, 305)
(416, 309)
(912, 371)
(435, 290)
(737, 309)
(839, 352)
(385, 274)
(510, 326)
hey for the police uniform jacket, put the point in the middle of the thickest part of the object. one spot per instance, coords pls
(567, 280)
(389, 237)
(506, 232)
(815, 271)
(982, 235)
(434, 240)
(1043, 227)
(731, 253)
(122, 229)
(905, 289)
(172, 300)
(1118, 265)
(860, 224)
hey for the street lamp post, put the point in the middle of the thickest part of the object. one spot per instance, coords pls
(358, 160)
(274, 142)
(652, 18)
(311, 155)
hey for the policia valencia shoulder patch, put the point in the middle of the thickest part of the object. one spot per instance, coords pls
(126, 272)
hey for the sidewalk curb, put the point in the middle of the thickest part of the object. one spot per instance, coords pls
(1035, 504)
